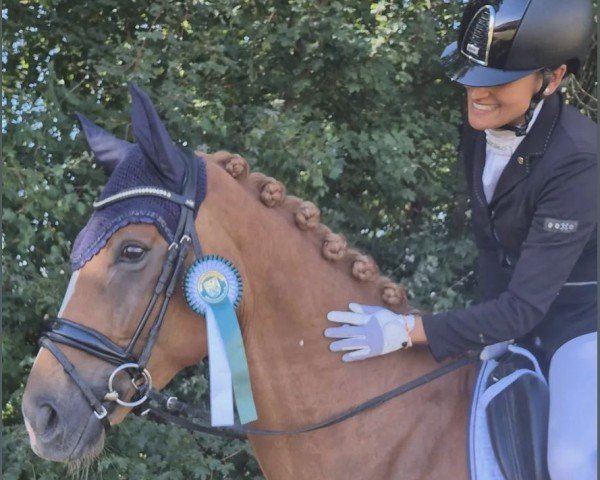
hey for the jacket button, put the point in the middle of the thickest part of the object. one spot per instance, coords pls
(520, 160)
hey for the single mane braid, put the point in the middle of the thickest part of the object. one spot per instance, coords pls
(307, 217)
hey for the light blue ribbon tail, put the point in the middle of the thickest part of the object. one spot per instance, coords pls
(234, 346)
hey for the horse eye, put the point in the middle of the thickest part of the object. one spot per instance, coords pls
(132, 253)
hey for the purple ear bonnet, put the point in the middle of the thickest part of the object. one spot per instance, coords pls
(154, 161)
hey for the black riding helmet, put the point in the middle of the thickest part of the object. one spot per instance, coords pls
(500, 41)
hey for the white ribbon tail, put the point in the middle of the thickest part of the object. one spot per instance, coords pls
(221, 390)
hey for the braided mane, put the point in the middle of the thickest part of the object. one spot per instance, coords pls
(307, 217)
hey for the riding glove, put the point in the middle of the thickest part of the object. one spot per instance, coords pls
(370, 330)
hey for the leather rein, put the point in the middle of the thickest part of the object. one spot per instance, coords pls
(168, 408)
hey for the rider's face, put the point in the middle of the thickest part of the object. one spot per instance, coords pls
(494, 107)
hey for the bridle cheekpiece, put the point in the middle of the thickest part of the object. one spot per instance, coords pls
(66, 332)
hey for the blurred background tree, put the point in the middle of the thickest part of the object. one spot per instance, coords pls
(345, 102)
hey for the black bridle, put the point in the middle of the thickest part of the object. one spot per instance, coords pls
(91, 341)
(170, 409)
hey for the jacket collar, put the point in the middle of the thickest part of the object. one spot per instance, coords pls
(537, 140)
(519, 166)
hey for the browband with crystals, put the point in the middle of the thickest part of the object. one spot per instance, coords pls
(144, 191)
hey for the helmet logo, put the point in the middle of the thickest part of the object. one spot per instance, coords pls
(473, 49)
(478, 35)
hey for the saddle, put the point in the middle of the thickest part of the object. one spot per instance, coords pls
(508, 429)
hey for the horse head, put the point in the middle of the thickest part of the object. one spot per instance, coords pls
(117, 260)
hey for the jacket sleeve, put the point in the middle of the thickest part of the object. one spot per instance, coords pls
(547, 257)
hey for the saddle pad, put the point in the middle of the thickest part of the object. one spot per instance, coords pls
(482, 459)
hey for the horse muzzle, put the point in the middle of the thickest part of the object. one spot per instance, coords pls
(62, 428)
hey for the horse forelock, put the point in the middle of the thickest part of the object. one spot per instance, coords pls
(306, 217)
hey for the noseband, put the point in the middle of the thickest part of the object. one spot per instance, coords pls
(88, 340)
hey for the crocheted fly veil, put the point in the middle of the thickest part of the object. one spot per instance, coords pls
(154, 161)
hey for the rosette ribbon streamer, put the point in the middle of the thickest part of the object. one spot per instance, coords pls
(213, 288)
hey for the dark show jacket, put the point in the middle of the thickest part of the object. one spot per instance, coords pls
(536, 241)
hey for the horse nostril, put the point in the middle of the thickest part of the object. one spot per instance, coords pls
(47, 420)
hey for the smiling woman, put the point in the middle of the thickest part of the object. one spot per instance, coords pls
(492, 107)
(518, 140)
(531, 169)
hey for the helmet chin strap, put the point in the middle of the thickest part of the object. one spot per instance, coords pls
(521, 130)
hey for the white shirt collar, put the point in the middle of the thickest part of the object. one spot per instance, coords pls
(505, 142)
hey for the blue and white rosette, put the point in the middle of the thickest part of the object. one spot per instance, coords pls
(213, 288)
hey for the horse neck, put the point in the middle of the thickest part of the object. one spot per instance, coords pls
(288, 289)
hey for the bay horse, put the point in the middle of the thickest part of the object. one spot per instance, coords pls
(294, 270)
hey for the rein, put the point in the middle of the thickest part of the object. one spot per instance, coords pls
(170, 409)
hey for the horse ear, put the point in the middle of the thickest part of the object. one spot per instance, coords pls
(108, 150)
(153, 139)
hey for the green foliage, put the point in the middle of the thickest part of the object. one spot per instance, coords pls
(345, 102)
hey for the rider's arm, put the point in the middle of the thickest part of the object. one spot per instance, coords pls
(546, 261)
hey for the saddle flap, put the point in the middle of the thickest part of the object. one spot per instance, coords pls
(517, 414)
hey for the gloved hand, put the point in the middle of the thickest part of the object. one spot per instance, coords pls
(372, 331)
